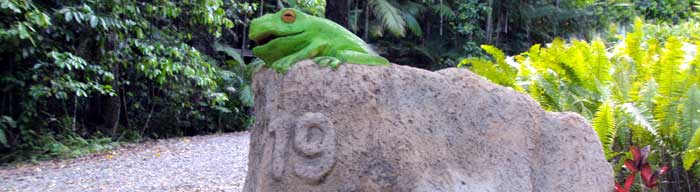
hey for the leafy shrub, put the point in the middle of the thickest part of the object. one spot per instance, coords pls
(79, 75)
(641, 91)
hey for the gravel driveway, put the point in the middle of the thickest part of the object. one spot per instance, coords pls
(200, 163)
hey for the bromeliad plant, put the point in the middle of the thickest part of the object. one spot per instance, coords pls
(639, 164)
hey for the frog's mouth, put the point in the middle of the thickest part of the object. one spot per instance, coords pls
(267, 37)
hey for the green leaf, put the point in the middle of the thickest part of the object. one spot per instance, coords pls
(3, 139)
(78, 17)
(93, 21)
(246, 95)
(230, 51)
(11, 122)
(23, 32)
(67, 16)
(11, 5)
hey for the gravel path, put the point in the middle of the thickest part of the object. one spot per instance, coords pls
(200, 163)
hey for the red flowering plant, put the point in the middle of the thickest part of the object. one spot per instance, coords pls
(639, 164)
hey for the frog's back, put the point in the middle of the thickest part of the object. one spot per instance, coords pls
(338, 38)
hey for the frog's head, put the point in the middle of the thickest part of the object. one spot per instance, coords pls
(272, 33)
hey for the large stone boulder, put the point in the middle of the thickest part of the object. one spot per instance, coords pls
(397, 128)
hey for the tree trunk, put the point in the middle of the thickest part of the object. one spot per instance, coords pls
(489, 24)
(442, 20)
(366, 10)
(337, 10)
(261, 7)
(112, 110)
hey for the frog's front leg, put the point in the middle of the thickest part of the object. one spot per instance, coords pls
(350, 57)
(362, 58)
(310, 51)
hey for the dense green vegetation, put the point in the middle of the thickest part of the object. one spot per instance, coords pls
(642, 90)
(80, 76)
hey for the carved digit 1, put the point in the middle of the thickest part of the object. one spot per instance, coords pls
(314, 142)
(279, 137)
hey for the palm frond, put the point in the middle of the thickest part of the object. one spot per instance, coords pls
(412, 24)
(444, 11)
(376, 30)
(412, 8)
(390, 16)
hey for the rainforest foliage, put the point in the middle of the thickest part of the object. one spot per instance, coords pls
(638, 91)
(79, 76)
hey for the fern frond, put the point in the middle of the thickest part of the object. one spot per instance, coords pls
(551, 89)
(640, 117)
(498, 71)
(575, 60)
(692, 153)
(538, 94)
(390, 16)
(633, 42)
(645, 67)
(646, 94)
(604, 125)
(690, 118)
(693, 70)
(488, 70)
(668, 75)
(599, 63)
(552, 57)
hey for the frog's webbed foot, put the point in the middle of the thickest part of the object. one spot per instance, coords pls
(282, 65)
(326, 61)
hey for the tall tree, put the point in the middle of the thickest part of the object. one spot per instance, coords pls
(337, 10)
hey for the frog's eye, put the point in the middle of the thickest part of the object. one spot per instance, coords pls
(289, 16)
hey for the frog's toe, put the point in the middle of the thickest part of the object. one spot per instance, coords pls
(321, 61)
(282, 65)
(334, 63)
(327, 61)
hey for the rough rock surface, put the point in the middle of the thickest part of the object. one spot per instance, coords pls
(397, 128)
